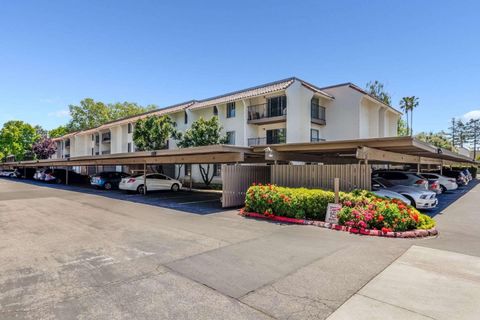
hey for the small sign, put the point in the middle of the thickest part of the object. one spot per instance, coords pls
(332, 212)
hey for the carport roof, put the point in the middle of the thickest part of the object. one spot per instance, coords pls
(407, 146)
(194, 155)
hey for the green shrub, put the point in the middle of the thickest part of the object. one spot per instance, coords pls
(360, 208)
(297, 203)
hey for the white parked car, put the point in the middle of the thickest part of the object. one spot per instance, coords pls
(40, 174)
(384, 193)
(8, 173)
(419, 198)
(403, 178)
(446, 183)
(155, 181)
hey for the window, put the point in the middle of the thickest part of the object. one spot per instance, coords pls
(185, 117)
(217, 170)
(231, 110)
(215, 111)
(276, 136)
(277, 106)
(129, 147)
(129, 128)
(314, 135)
(230, 137)
(187, 169)
(317, 111)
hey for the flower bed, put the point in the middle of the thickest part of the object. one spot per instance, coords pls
(362, 211)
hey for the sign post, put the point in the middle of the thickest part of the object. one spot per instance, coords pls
(336, 189)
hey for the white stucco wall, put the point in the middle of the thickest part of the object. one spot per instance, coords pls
(298, 113)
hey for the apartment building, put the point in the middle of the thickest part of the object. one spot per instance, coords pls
(285, 111)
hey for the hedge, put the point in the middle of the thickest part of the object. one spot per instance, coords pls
(360, 209)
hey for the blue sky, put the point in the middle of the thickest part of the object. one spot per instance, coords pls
(55, 53)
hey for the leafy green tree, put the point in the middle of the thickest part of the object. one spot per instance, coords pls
(377, 89)
(17, 138)
(438, 139)
(126, 109)
(402, 129)
(203, 133)
(40, 131)
(58, 132)
(88, 114)
(152, 133)
(91, 113)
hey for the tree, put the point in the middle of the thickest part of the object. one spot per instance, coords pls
(40, 131)
(91, 113)
(126, 109)
(203, 133)
(438, 139)
(58, 132)
(407, 104)
(377, 90)
(402, 129)
(453, 131)
(17, 138)
(152, 133)
(473, 134)
(44, 148)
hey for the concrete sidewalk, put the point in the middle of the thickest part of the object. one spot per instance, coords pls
(423, 283)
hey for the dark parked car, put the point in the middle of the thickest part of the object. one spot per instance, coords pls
(459, 176)
(25, 173)
(60, 176)
(108, 179)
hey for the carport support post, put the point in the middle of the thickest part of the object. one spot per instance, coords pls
(191, 169)
(66, 176)
(24, 172)
(418, 167)
(336, 189)
(145, 178)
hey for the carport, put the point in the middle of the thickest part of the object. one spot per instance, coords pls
(220, 154)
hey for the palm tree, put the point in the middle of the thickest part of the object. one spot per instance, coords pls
(404, 105)
(407, 104)
(413, 104)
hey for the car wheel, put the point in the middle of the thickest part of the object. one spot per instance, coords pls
(412, 202)
(175, 187)
(141, 189)
(107, 186)
(443, 188)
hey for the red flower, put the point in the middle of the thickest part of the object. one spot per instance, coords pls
(380, 218)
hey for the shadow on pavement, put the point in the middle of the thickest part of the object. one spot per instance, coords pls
(449, 197)
(201, 203)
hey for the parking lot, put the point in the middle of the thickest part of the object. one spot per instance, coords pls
(197, 202)
(71, 252)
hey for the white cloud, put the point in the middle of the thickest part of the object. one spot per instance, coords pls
(59, 113)
(474, 114)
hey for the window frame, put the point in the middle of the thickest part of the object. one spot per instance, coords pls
(231, 110)
(231, 134)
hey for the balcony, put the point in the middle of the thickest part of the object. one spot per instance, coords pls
(264, 141)
(264, 113)
(318, 114)
(106, 137)
(313, 139)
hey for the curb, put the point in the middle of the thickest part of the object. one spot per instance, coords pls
(417, 233)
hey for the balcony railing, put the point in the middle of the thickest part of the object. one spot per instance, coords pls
(312, 139)
(266, 113)
(264, 140)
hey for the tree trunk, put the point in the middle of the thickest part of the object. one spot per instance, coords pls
(205, 174)
(411, 122)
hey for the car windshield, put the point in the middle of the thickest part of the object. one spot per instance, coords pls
(383, 182)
